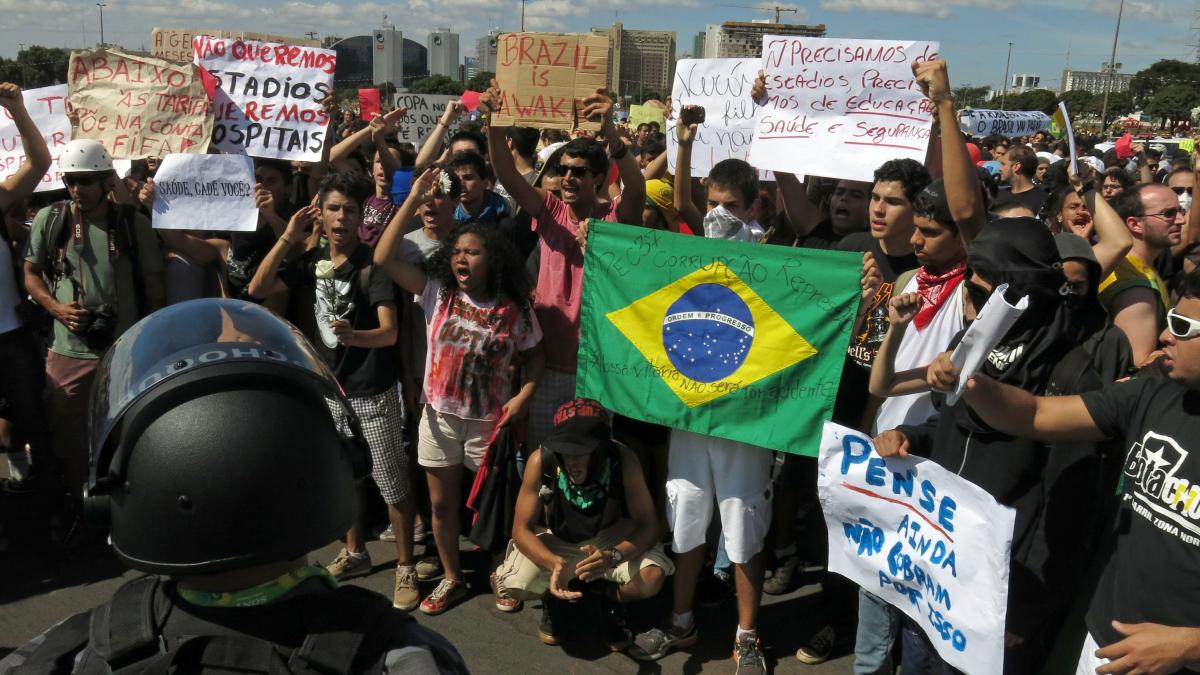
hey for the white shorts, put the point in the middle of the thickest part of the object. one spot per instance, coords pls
(449, 440)
(1088, 663)
(737, 476)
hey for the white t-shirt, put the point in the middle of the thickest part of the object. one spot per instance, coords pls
(9, 298)
(919, 348)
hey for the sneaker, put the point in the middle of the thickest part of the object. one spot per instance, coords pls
(713, 590)
(504, 601)
(429, 569)
(406, 597)
(420, 532)
(748, 656)
(348, 565)
(781, 581)
(447, 593)
(388, 535)
(819, 647)
(546, 631)
(657, 643)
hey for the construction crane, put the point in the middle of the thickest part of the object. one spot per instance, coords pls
(778, 9)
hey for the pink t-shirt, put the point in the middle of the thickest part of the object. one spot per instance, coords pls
(471, 346)
(560, 279)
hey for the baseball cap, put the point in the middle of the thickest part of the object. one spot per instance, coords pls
(580, 426)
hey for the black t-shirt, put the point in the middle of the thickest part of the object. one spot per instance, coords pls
(822, 236)
(856, 374)
(1032, 199)
(246, 252)
(1153, 574)
(361, 371)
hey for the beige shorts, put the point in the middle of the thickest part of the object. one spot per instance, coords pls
(449, 440)
(520, 573)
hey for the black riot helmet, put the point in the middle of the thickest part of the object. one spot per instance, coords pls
(213, 445)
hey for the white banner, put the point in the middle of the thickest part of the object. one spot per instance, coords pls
(47, 107)
(1008, 123)
(205, 192)
(923, 539)
(268, 100)
(424, 112)
(722, 86)
(840, 108)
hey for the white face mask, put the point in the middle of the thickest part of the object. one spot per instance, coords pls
(1185, 202)
(719, 223)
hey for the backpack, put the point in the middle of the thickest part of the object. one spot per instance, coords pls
(347, 630)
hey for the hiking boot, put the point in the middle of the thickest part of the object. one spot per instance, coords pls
(748, 656)
(819, 647)
(504, 601)
(546, 630)
(447, 593)
(406, 597)
(429, 569)
(781, 581)
(657, 643)
(348, 565)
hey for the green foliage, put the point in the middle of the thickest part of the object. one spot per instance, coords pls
(481, 81)
(437, 84)
(971, 97)
(1173, 102)
(1120, 103)
(36, 66)
(1080, 102)
(1147, 82)
(1037, 99)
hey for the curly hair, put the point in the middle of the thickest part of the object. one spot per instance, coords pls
(908, 172)
(506, 271)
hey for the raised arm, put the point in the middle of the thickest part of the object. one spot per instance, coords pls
(962, 183)
(432, 148)
(599, 107)
(686, 134)
(408, 276)
(266, 281)
(885, 381)
(525, 195)
(1019, 413)
(37, 156)
(377, 131)
(1113, 240)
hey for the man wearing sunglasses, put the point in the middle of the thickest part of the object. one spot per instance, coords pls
(1134, 294)
(96, 267)
(1144, 616)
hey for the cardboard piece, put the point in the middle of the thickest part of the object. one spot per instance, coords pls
(424, 111)
(176, 43)
(205, 192)
(369, 104)
(139, 106)
(647, 114)
(47, 107)
(544, 78)
(267, 97)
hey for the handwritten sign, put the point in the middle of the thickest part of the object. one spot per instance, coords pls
(205, 192)
(840, 108)
(176, 43)
(925, 540)
(1008, 123)
(544, 78)
(722, 86)
(47, 107)
(267, 99)
(138, 106)
(645, 114)
(424, 111)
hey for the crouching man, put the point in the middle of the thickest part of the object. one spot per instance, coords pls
(584, 522)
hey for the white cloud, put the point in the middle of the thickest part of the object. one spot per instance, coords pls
(938, 10)
(1139, 9)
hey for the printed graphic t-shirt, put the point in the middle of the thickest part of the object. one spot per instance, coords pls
(1153, 575)
(471, 346)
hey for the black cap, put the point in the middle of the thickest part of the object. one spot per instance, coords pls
(581, 426)
(932, 203)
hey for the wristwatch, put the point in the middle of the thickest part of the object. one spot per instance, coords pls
(615, 555)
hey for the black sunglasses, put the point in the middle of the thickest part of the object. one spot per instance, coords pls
(1167, 214)
(82, 180)
(566, 170)
(1179, 189)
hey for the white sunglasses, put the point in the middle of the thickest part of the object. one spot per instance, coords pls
(1181, 326)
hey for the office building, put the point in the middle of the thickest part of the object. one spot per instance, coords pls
(743, 39)
(1095, 81)
(485, 51)
(639, 61)
(442, 53)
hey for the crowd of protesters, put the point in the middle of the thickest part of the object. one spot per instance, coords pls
(442, 285)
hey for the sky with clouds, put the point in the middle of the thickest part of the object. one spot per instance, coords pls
(974, 34)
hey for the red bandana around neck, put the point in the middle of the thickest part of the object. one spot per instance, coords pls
(934, 289)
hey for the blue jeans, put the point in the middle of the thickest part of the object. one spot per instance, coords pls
(722, 566)
(878, 625)
(920, 658)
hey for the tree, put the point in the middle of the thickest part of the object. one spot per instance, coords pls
(1173, 102)
(1080, 102)
(437, 84)
(1042, 100)
(1119, 103)
(968, 96)
(1148, 81)
(36, 66)
(480, 81)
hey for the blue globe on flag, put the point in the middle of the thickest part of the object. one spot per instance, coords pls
(707, 332)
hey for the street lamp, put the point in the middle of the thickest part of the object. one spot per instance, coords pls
(1004, 92)
(1112, 70)
(522, 16)
(101, 5)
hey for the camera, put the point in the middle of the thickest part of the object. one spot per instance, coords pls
(99, 328)
(692, 114)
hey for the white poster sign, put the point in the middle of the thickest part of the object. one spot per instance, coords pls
(1007, 123)
(925, 540)
(723, 87)
(424, 112)
(47, 107)
(205, 192)
(840, 108)
(267, 96)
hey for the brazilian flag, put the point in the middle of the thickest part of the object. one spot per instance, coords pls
(723, 338)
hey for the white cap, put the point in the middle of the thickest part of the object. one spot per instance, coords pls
(84, 155)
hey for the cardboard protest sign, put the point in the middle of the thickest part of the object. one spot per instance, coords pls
(840, 108)
(47, 107)
(205, 192)
(1007, 123)
(267, 99)
(930, 543)
(544, 78)
(424, 111)
(138, 106)
(369, 104)
(639, 114)
(722, 86)
(176, 43)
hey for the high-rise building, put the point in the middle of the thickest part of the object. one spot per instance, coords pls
(388, 64)
(639, 61)
(1095, 81)
(743, 39)
(485, 51)
(698, 46)
(470, 67)
(442, 52)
